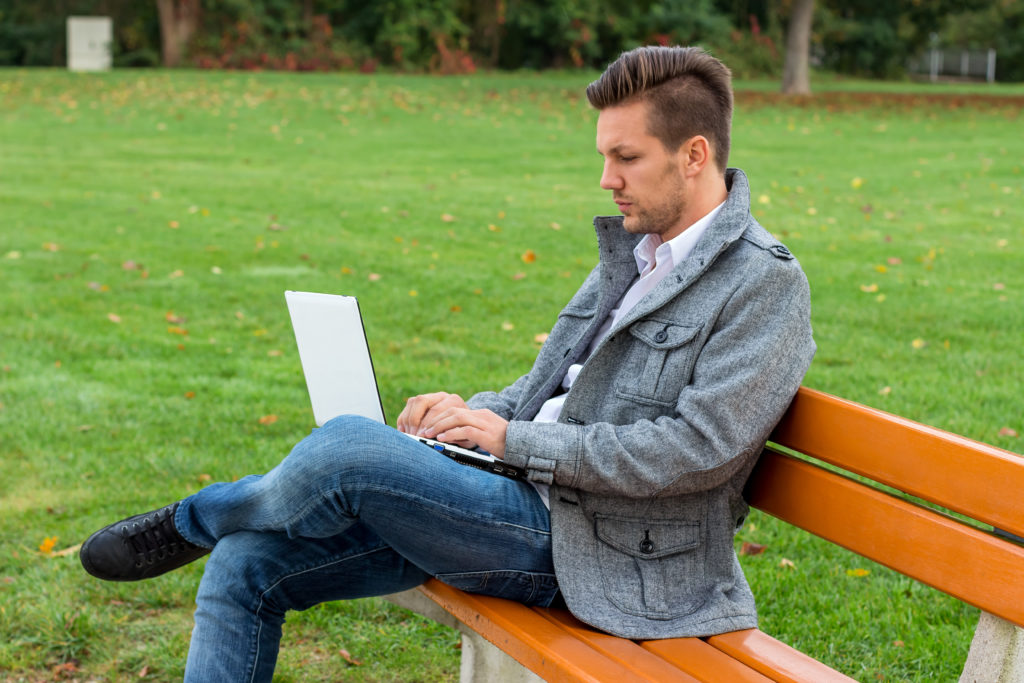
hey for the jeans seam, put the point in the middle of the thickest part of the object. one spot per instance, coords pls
(284, 577)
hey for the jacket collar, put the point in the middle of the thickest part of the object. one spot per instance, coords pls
(615, 246)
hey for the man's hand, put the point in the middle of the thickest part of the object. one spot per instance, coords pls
(421, 412)
(446, 417)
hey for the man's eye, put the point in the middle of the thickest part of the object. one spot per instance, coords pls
(626, 160)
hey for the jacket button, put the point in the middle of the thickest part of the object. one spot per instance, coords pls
(661, 337)
(647, 545)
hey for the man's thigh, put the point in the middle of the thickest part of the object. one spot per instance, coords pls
(473, 529)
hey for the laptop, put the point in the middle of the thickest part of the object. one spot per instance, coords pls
(336, 362)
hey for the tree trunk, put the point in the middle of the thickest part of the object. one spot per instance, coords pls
(179, 20)
(796, 78)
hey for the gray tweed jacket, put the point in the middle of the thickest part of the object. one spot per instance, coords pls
(663, 425)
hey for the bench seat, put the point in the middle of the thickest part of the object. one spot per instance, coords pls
(926, 504)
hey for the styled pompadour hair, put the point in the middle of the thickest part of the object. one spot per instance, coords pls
(690, 93)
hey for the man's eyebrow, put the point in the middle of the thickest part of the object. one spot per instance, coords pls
(617, 149)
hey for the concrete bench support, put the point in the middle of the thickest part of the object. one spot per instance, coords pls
(997, 652)
(482, 662)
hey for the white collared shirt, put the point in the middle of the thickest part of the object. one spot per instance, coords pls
(654, 261)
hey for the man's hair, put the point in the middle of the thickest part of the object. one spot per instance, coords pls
(690, 93)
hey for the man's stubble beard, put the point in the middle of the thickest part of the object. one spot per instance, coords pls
(661, 218)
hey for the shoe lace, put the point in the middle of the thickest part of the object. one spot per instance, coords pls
(153, 538)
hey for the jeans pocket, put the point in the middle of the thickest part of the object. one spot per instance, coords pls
(651, 568)
(529, 588)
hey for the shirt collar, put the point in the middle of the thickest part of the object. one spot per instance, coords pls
(676, 249)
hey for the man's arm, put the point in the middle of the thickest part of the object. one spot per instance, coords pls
(744, 378)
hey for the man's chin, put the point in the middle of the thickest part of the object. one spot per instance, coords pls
(634, 225)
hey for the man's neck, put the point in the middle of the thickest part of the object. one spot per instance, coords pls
(705, 193)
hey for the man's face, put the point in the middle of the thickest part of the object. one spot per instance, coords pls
(646, 181)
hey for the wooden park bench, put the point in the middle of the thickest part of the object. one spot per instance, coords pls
(831, 468)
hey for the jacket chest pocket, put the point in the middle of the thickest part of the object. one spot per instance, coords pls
(659, 362)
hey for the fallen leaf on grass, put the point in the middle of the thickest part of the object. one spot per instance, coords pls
(73, 550)
(65, 670)
(858, 573)
(529, 256)
(1006, 431)
(540, 338)
(173, 318)
(113, 317)
(447, 217)
(749, 548)
(787, 563)
(46, 547)
(268, 419)
(349, 658)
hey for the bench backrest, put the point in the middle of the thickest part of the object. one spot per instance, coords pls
(979, 482)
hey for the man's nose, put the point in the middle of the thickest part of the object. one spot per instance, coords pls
(610, 179)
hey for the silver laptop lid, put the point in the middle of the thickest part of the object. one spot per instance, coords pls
(334, 354)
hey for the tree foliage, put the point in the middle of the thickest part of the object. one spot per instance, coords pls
(850, 36)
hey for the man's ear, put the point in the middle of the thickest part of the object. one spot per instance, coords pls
(694, 155)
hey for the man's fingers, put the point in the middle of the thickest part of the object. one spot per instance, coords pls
(437, 410)
(422, 411)
(479, 427)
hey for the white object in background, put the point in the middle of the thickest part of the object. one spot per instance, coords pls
(89, 43)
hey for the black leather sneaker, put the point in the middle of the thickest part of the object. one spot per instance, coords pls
(138, 547)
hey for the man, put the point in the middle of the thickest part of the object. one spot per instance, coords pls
(637, 426)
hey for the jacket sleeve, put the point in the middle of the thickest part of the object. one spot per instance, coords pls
(744, 378)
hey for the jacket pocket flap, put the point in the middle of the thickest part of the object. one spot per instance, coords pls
(647, 539)
(663, 334)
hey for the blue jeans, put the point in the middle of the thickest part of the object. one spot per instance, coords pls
(355, 510)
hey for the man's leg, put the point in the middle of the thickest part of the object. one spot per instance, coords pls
(253, 578)
(451, 520)
(356, 509)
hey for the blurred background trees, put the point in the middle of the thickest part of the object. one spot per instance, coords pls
(857, 37)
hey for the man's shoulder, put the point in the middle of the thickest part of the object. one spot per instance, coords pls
(757, 236)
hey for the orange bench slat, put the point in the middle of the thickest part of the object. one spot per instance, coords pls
(969, 564)
(980, 481)
(775, 659)
(644, 663)
(703, 661)
(541, 645)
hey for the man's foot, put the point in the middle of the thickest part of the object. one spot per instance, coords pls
(138, 547)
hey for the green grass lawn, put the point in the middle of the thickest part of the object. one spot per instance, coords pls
(150, 222)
